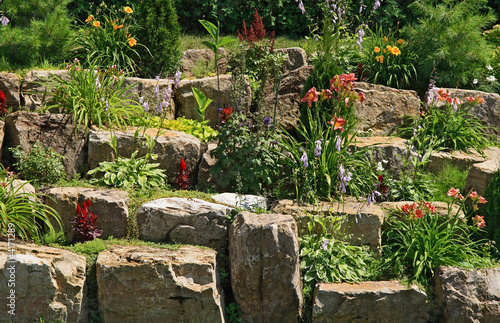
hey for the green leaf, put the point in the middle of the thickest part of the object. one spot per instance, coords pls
(211, 28)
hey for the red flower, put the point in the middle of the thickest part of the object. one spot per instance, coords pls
(479, 221)
(183, 176)
(453, 192)
(311, 96)
(183, 166)
(225, 114)
(338, 123)
(2, 98)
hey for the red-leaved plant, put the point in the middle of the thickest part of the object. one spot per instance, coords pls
(256, 31)
(3, 106)
(85, 224)
(183, 175)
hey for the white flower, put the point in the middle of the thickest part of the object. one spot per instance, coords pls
(489, 68)
(474, 82)
(491, 78)
(380, 168)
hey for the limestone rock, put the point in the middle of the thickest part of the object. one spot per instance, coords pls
(205, 178)
(23, 129)
(461, 160)
(142, 284)
(265, 269)
(467, 295)
(248, 202)
(193, 59)
(110, 204)
(385, 108)
(145, 88)
(181, 220)
(170, 147)
(11, 87)
(363, 228)
(480, 174)
(49, 282)
(296, 58)
(376, 301)
(289, 96)
(186, 103)
(488, 112)
(33, 92)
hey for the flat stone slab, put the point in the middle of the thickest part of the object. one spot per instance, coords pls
(143, 284)
(363, 228)
(376, 301)
(41, 281)
(248, 202)
(187, 221)
(110, 204)
(480, 174)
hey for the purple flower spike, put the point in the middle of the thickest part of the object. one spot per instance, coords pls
(177, 78)
(5, 21)
(317, 150)
(324, 245)
(304, 160)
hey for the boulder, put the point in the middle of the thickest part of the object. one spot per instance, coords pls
(385, 108)
(389, 151)
(296, 58)
(205, 178)
(41, 281)
(289, 96)
(23, 129)
(360, 223)
(145, 88)
(33, 90)
(467, 295)
(186, 102)
(265, 268)
(375, 301)
(10, 85)
(480, 174)
(170, 146)
(188, 221)
(488, 112)
(247, 202)
(142, 284)
(110, 204)
(463, 161)
(192, 60)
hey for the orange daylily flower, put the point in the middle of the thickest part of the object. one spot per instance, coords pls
(132, 42)
(128, 10)
(89, 18)
(117, 27)
(376, 49)
(338, 123)
(395, 51)
(401, 42)
(96, 24)
(311, 96)
(379, 59)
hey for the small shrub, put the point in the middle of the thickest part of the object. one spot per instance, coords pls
(159, 31)
(21, 214)
(417, 240)
(192, 127)
(93, 97)
(85, 224)
(40, 164)
(133, 172)
(38, 31)
(107, 38)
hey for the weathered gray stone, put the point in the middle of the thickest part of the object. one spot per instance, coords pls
(296, 58)
(142, 284)
(181, 220)
(488, 112)
(186, 102)
(33, 90)
(170, 146)
(23, 129)
(467, 295)
(205, 178)
(10, 85)
(248, 202)
(193, 59)
(289, 96)
(49, 282)
(110, 204)
(265, 269)
(389, 151)
(459, 159)
(145, 88)
(375, 301)
(363, 228)
(385, 108)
